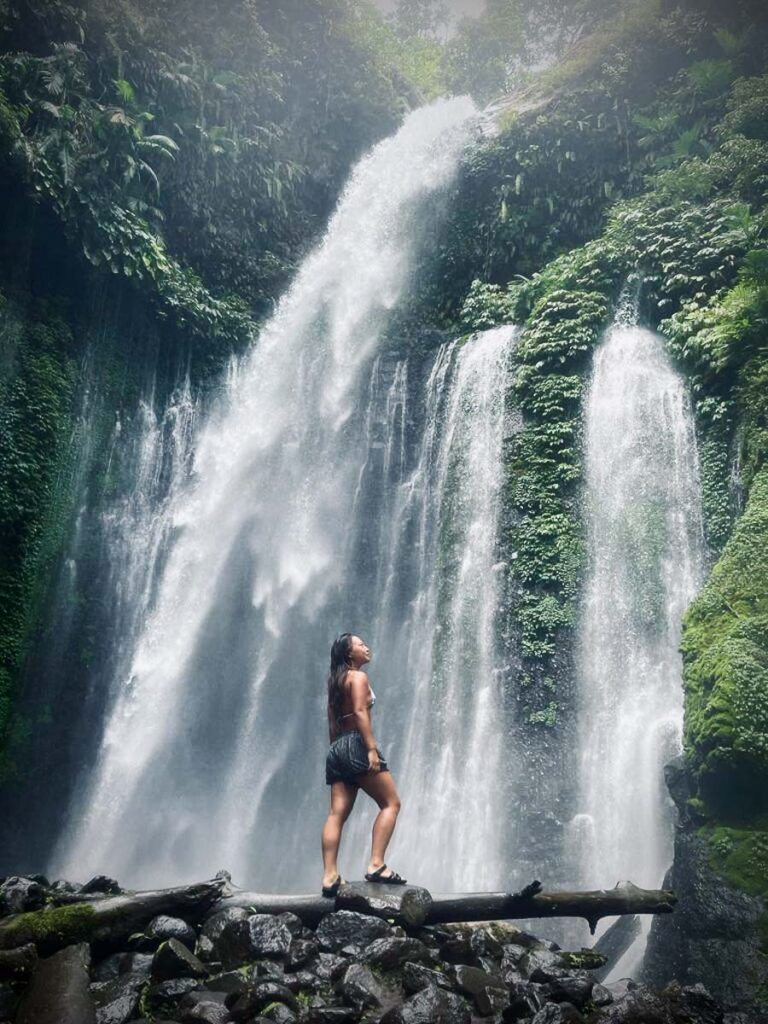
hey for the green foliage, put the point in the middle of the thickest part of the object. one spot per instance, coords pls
(543, 469)
(725, 656)
(35, 423)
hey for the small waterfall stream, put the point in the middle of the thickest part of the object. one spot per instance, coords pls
(213, 745)
(646, 554)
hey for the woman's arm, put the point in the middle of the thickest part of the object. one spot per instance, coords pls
(332, 726)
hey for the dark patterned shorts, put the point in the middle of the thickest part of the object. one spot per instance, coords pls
(347, 758)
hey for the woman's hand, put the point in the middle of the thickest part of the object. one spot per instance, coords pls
(374, 763)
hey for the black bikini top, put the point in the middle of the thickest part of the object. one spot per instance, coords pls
(373, 701)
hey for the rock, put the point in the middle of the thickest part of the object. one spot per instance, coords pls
(18, 894)
(601, 996)
(574, 987)
(174, 960)
(8, 1000)
(390, 951)
(249, 1004)
(102, 885)
(459, 950)
(714, 933)
(123, 963)
(431, 1005)
(638, 1006)
(252, 937)
(58, 991)
(488, 991)
(558, 1013)
(301, 952)
(163, 998)
(303, 981)
(62, 885)
(17, 964)
(351, 951)
(329, 966)
(541, 965)
(201, 995)
(524, 1001)
(278, 1013)
(293, 924)
(227, 983)
(117, 1001)
(341, 927)
(484, 944)
(360, 987)
(417, 976)
(164, 927)
(333, 1015)
(620, 987)
(692, 1003)
(211, 930)
(208, 1013)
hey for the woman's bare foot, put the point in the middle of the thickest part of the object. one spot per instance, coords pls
(331, 879)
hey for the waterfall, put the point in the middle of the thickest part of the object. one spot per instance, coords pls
(213, 745)
(645, 557)
(435, 629)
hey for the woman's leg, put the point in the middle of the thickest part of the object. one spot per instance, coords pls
(342, 802)
(381, 786)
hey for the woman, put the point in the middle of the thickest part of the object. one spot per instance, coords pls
(354, 761)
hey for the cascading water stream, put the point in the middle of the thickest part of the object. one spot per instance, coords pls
(645, 554)
(212, 752)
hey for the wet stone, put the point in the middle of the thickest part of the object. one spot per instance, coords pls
(253, 1002)
(575, 988)
(542, 965)
(246, 939)
(227, 983)
(123, 963)
(206, 1013)
(101, 884)
(19, 894)
(361, 988)
(343, 927)
(117, 1001)
(430, 1006)
(458, 950)
(329, 967)
(303, 981)
(212, 929)
(558, 1013)
(17, 964)
(163, 998)
(174, 960)
(390, 951)
(301, 952)
(278, 1013)
(58, 991)
(417, 976)
(524, 1000)
(638, 1006)
(164, 927)
(332, 1015)
(601, 996)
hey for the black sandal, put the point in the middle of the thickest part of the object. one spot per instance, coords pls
(331, 890)
(393, 879)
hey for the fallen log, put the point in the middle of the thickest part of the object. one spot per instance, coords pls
(107, 921)
(413, 905)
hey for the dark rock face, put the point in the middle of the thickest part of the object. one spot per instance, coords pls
(117, 1001)
(58, 992)
(712, 936)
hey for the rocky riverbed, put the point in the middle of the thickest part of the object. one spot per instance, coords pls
(218, 966)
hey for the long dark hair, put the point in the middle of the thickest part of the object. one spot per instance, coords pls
(339, 667)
